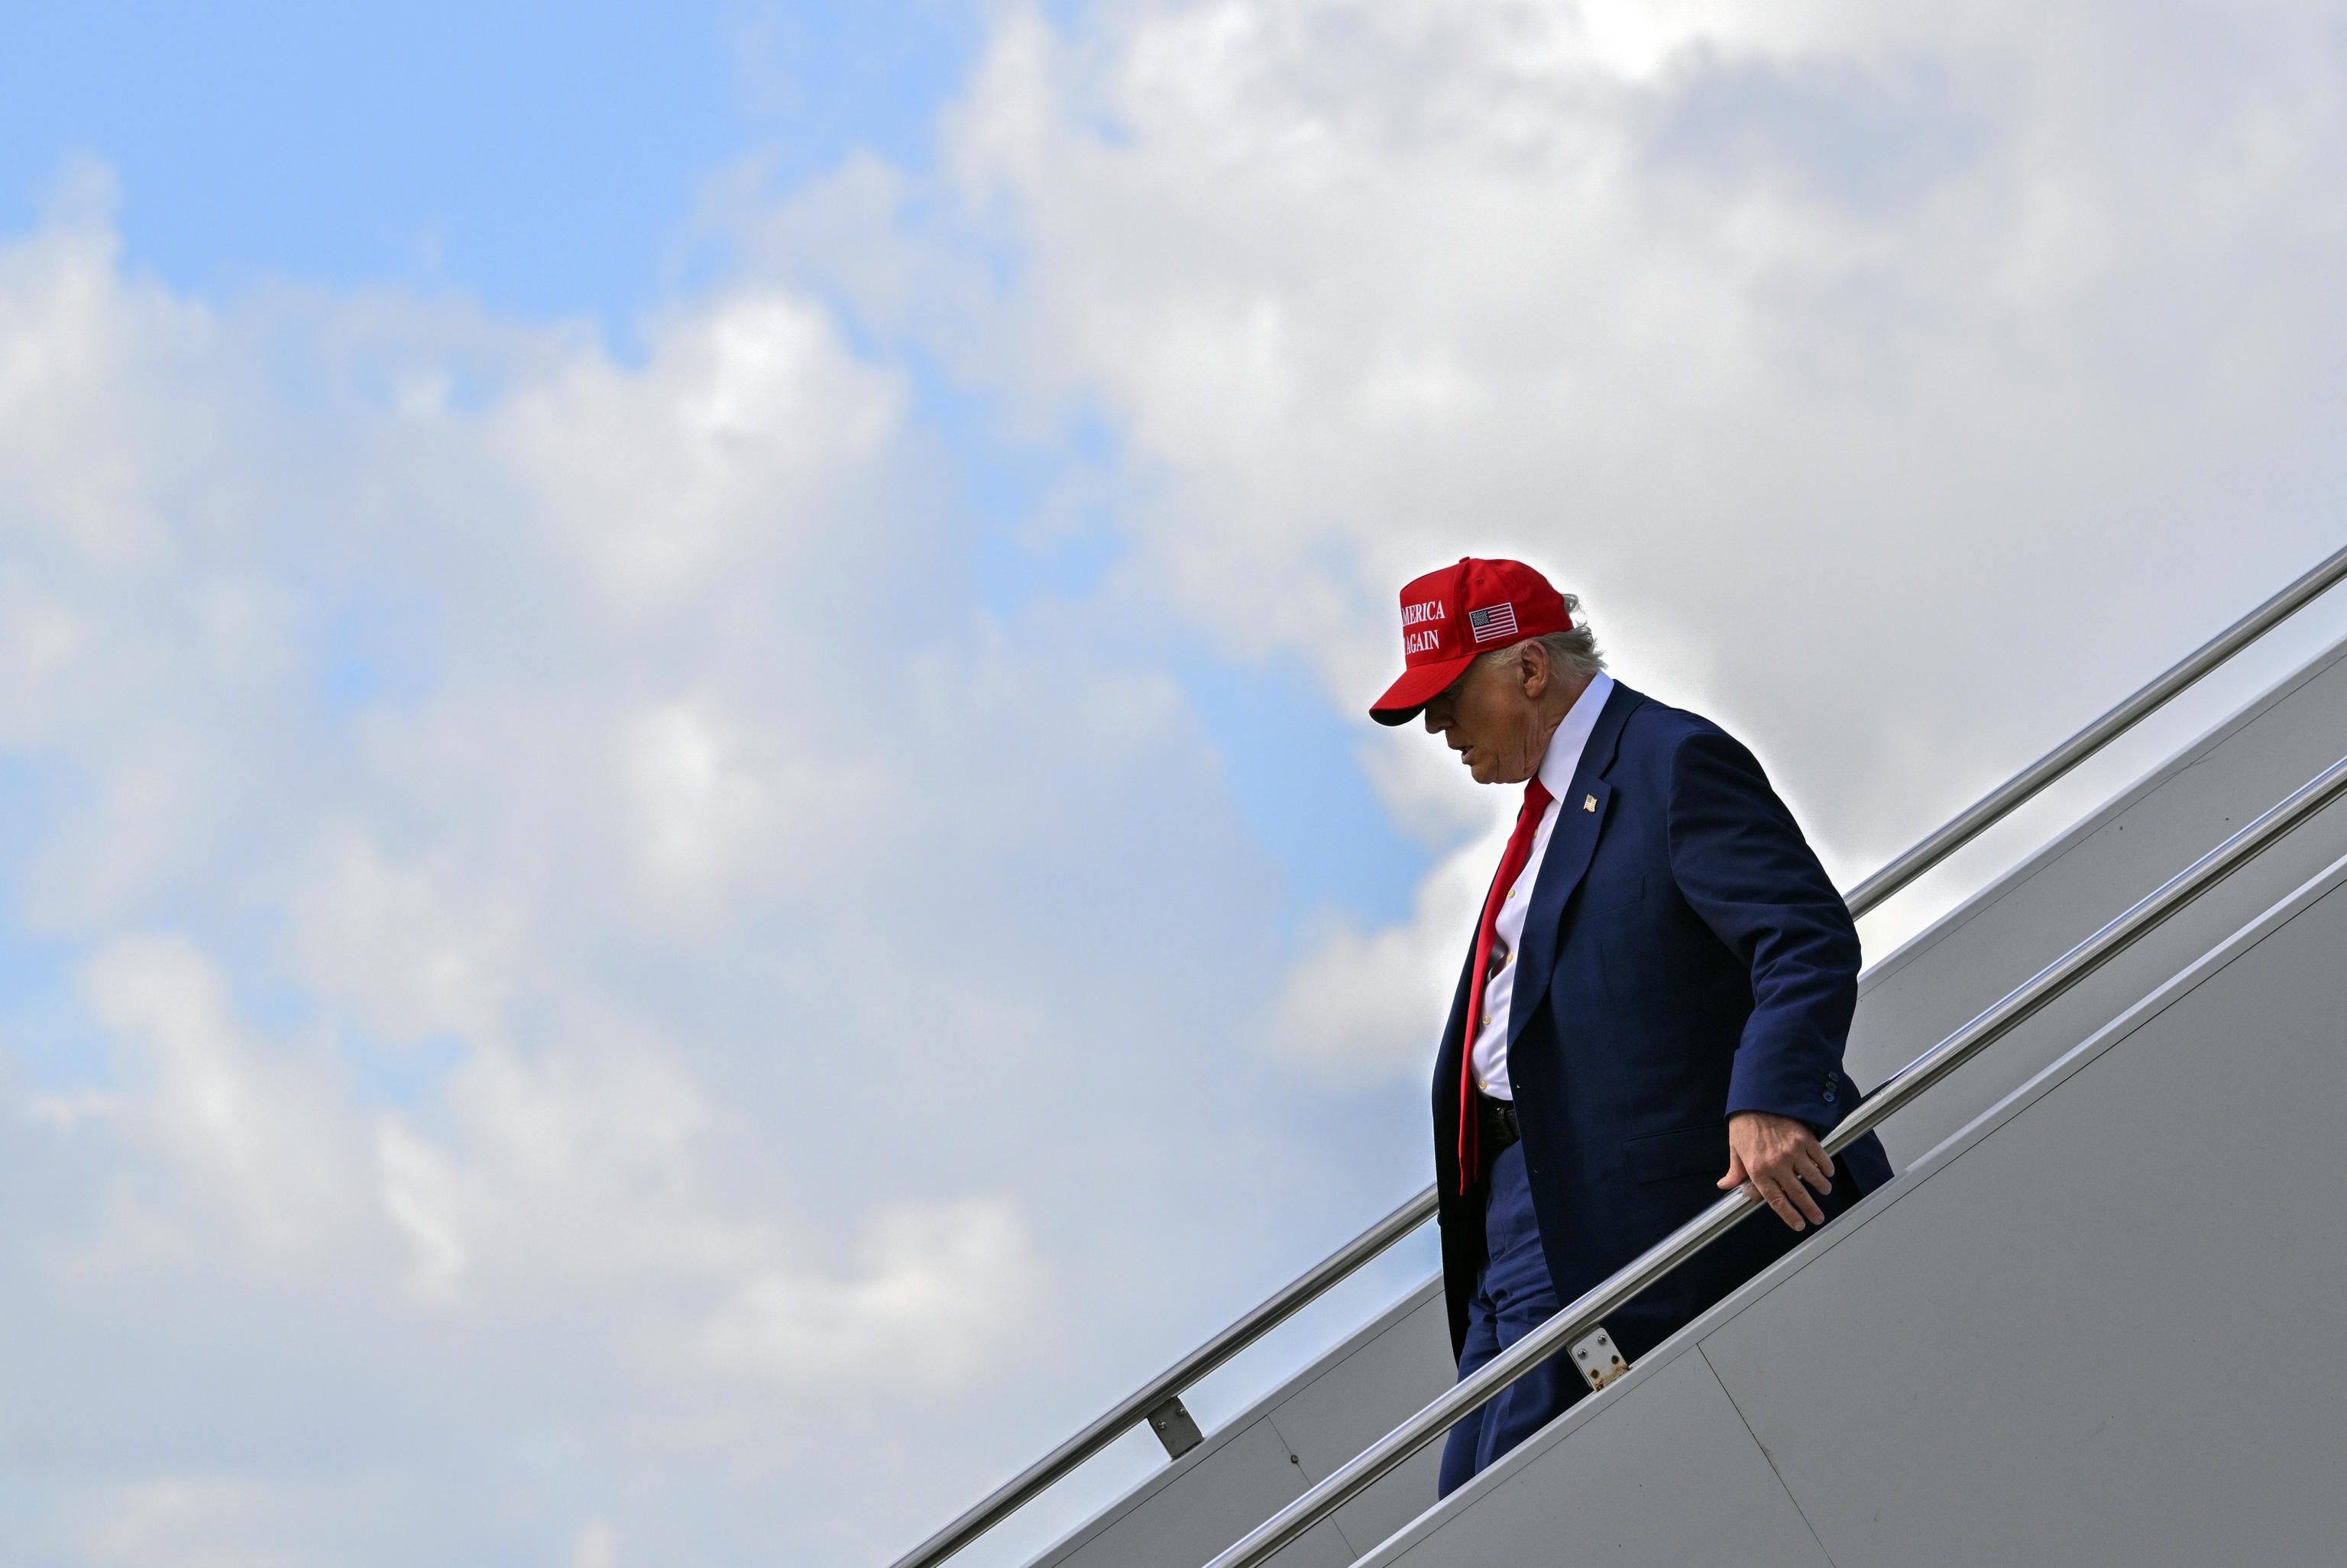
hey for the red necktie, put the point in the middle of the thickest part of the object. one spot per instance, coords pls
(1512, 866)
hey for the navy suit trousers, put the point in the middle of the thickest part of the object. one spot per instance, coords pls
(1513, 1296)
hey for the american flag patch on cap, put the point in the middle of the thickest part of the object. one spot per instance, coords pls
(1499, 621)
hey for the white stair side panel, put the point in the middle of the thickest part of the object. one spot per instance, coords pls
(1620, 1501)
(2046, 1345)
(2111, 1330)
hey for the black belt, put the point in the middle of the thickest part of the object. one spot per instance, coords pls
(1495, 1125)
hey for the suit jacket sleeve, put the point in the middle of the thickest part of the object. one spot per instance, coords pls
(1742, 865)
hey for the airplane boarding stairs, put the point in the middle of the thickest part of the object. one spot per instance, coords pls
(2098, 1315)
(2103, 1324)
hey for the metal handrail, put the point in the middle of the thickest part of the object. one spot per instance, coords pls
(1992, 808)
(1585, 1314)
(1301, 1292)
(1273, 1311)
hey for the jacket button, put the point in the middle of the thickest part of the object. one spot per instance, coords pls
(1829, 1095)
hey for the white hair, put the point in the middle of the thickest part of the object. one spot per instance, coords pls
(1576, 650)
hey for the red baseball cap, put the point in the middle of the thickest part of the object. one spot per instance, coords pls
(1452, 615)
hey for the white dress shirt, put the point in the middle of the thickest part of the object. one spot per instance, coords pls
(1556, 770)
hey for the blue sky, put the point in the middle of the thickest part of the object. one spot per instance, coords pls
(545, 159)
(688, 849)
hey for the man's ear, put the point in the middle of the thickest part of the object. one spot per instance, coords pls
(1533, 669)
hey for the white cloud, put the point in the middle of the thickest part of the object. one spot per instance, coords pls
(935, 1294)
(200, 1521)
(422, 1192)
(714, 457)
(90, 434)
(247, 1135)
(386, 941)
(1366, 1003)
(613, 877)
(585, 1170)
(597, 1545)
(708, 795)
(1780, 335)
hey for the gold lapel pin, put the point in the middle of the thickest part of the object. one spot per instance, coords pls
(1589, 802)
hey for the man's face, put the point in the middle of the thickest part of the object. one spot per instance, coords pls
(1491, 716)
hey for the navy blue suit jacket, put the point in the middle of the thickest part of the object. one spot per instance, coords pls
(1685, 958)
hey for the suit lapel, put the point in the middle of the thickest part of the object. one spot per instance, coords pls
(1581, 815)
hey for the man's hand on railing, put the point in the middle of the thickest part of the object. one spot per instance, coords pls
(1776, 1155)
